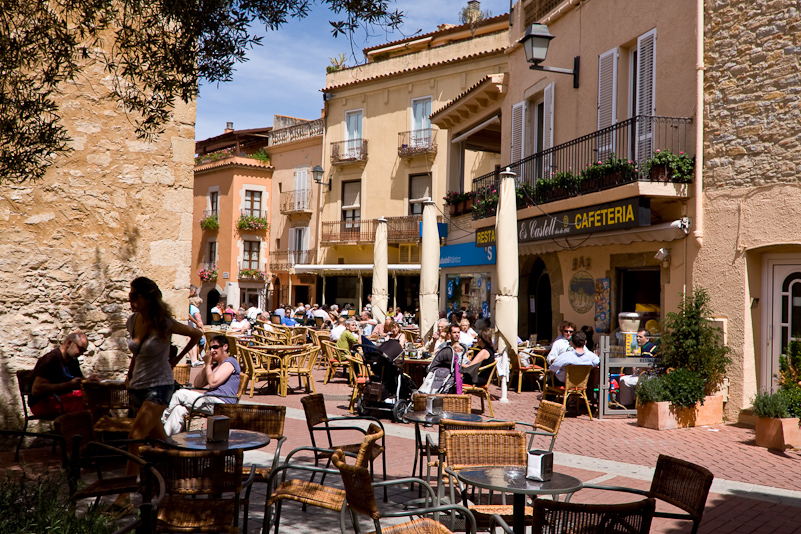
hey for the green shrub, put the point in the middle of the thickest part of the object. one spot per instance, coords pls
(212, 222)
(691, 342)
(790, 366)
(684, 387)
(41, 504)
(773, 405)
(651, 390)
(260, 155)
(792, 397)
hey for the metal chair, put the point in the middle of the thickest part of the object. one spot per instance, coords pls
(677, 482)
(554, 517)
(546, 423)
(102, 397)
(25, 382)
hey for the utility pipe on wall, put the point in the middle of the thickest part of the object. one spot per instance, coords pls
(698, 232)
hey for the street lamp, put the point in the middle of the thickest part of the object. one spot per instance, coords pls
(317, 173)
(535, 43)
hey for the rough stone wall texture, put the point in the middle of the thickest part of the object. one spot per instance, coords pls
(752, 92)
(116, 208)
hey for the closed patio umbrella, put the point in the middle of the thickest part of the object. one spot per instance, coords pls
(429, 270)
(380, 277)
(506, 313)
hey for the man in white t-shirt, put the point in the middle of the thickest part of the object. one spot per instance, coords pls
(562, 343)
(336, 332)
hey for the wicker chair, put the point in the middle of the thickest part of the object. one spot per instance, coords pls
(677, 482)
(335, 358)
(197, 410)
(181, 373)
(318, 336)
(576, 379)
(546, 423)
(360, 499)
(188, 474)
(482, 392)
(100, 398)
(536, 368)
(302, 365)
(317, 420)
(25, 382)
(450, 403)
(553, 517)
(311, 493)
(265, 366)
(361, 376)
(260, 418)
(487, 448)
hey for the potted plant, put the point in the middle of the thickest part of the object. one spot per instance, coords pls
(254, 274)
(619, 171)
(252, 223)
(665, 166)
(592, 178)
(470, 199)
(693, 347)
(210, 222)
(775, 427)
(208, 275)
(673, 400)
(451, 200)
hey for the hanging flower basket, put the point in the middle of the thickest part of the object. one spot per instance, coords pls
(208, 275)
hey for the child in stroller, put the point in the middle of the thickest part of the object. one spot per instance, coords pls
(389, 387)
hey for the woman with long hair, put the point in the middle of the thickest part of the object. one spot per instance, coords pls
(395, 332)
(150, 378)
(484, 357)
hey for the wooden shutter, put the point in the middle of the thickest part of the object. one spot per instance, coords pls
(607, 101)
(646, 72)
(547, 128)
(409, 254)
(518, 131)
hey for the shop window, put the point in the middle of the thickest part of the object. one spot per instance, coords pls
(469, 291)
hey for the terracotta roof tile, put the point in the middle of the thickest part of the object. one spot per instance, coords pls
(463, 94)
(453, 29)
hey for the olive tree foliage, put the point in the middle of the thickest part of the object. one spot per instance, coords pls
(154, 52)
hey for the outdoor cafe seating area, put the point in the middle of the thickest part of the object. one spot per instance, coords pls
(469, 470)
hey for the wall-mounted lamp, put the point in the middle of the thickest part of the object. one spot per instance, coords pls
(536, 42)
(663, 255)
(317, 173)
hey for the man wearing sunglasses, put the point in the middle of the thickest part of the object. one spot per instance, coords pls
(58, 373)
(562, 343)
(220, 373)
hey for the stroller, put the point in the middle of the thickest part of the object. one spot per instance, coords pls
(389, 387)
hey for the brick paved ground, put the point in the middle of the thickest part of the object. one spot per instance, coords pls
(755, 490)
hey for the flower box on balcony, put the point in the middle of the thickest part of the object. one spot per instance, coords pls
(208, 275)
(211, 222)
(252, 223)
(253, 274)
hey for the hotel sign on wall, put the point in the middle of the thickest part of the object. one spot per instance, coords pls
(618, 215)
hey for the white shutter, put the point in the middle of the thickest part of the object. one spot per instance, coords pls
(547, 128)
(646, 72)
(607, 101)
(518, 131)
(351, 192)
(292, 247)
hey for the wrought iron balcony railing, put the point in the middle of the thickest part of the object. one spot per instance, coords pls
(295, 201)
(282, 260)
(417, 142)
(607, 158)
(346, 152)
(399, 230)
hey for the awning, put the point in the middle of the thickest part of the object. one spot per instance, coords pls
(664, 232)
(340, 268)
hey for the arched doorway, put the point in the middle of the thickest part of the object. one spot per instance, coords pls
(212, 299)
(540, 321)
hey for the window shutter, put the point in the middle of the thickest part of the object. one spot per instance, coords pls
(409, 254)
(646, 71)
(351, 192)
(547, 128)
(518, 131)
(421, 186)
(607, 101)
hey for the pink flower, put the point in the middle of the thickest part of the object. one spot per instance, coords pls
(658, 151)
(681, 152)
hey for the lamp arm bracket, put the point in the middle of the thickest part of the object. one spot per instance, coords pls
(574, 72)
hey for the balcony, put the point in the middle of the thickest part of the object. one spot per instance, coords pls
(250, 271)
(399, 230)
(349, 152)
(417, 143)
(627, 152)
(297, 132)
(253, 221)
(298, 201)
(282, 260)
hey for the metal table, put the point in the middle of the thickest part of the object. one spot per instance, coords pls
(195, 440)
(496, 479)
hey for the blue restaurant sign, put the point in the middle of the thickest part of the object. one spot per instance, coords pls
(466, 254)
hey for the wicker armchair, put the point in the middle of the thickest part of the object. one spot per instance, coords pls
(335, 358)
(553, 517)
(677, 482)
(546, 423)
(482, 392)
(311, 493)
(188, 474)
(102, 397)
(181, 373)
(536, 368)
(317, 420)
(301, 365)
(450, 403)
(25, 382)
(360, 499)
(360, 374)
(487, 448)
(576, 379)
(264, 366)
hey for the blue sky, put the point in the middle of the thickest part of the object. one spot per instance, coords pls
(285, 75)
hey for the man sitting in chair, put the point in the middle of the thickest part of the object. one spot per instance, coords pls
(220, 373)
(580, 355)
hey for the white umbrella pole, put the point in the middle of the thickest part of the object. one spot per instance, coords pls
(506, 313)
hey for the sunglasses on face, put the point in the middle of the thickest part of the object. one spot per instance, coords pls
(81, 349)
(214, 347)
(568, 331)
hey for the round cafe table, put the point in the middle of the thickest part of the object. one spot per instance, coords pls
(195, 440)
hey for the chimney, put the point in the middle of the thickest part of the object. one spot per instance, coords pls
(229, 127)
(474, 5)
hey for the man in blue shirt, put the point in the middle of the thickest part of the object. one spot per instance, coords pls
(578, 356)
(287, 319)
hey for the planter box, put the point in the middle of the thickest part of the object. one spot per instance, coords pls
(778, 434)
(452, 209)
(660, 173)
(665, 416)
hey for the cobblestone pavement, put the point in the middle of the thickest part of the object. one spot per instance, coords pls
(755, 490)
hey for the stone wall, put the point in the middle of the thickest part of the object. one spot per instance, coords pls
(116, 208)
(752, 91)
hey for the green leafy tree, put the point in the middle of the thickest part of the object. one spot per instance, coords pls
(153, 52)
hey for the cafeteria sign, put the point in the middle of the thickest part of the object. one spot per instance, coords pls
(618, 215)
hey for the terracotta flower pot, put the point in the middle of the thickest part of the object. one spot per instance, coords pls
(460, 207)
(660, 173)
(778, 434)
(452, 209)
(665, 416)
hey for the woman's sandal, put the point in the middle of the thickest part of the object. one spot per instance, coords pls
(117, 511)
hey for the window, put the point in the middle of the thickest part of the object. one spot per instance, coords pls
(211, 253)
(351, 203)
(353, 134)
(298, 244)
(214, 202)
(421, 125)
(250, 258)
(302, 190)
(253, 203)
(419, 190)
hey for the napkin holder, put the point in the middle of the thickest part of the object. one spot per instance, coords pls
(434, 405)
(540, 465)
(217, 428)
